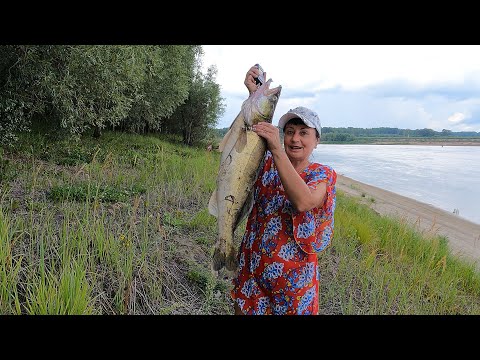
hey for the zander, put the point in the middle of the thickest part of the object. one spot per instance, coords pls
(242, 153)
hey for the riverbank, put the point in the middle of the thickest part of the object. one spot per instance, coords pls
(113, 221)
(427, 142)
(463, 235)
(442, 143)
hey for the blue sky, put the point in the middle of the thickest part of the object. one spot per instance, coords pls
(403, 86)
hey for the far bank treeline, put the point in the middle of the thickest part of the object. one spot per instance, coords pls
(358, 135)
(70, 90)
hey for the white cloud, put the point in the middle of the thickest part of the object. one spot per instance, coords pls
(456, 118)
(337, 82)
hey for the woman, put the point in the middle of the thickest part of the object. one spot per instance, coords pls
(291, 220)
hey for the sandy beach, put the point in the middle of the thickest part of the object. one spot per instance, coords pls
(463, 235)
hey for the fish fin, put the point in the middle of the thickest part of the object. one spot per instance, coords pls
(235, 127)
(247, 207)
(241, 141)
(221, 146)
(212, 204)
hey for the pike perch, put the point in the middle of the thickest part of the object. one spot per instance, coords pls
(242, 152)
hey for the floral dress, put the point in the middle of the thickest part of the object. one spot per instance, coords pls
(278, 267)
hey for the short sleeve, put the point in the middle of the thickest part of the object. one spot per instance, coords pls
(313, 229)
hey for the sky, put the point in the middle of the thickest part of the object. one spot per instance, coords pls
(366, 86)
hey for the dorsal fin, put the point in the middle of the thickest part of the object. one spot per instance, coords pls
(245, 211)
(212, 204)
(221, 146)
(241, 141)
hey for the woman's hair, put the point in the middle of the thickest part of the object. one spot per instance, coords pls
(298, 121)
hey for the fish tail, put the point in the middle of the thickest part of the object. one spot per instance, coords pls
(231, 259)
(225, 255)
(219, 255)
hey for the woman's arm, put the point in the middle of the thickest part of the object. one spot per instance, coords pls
(300, 195)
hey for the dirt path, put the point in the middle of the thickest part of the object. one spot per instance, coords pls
(463, 235)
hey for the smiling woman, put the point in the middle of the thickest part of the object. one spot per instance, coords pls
(290, 222)
(301, 128)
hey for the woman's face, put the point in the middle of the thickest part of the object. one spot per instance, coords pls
(299, 141)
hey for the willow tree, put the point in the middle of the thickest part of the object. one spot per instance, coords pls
(198, 116)
(70, 89)
(169, 70)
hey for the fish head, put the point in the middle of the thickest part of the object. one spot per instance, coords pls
(260, 106)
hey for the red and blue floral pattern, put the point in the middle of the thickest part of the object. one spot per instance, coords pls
(278, 267)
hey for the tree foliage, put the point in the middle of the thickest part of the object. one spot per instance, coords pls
(333, 132)
(197, 117)
(168, 73)
(71, 89)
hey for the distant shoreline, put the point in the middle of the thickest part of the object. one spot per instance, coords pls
(463, 235)
(426, 143)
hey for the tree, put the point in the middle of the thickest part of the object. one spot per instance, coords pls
(70, 88)
(169, 71)
(426, 132)
(198, 116)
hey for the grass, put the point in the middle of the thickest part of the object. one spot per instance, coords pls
(119, 225)
(387, 267)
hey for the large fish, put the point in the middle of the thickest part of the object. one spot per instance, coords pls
(242, 152)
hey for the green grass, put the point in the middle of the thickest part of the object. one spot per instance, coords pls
(119, 225)
(380, 265)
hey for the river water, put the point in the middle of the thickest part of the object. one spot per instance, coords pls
(447, 177)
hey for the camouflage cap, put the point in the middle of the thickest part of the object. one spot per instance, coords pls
(309, 117)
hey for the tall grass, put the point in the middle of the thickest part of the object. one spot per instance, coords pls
(381, 265)
(116, 226)
(120, 226)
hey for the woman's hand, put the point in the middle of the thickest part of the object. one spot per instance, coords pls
(249, 82)
(270, 133)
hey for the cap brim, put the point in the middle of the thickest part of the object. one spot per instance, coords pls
(288, 116)
(285, 118)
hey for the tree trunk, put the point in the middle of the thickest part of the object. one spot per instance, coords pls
(97, 132)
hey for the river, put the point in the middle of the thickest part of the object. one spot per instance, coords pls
(447, 177)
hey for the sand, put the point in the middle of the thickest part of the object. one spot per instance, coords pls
(463, 235)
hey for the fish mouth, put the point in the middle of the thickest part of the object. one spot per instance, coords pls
(265, 89)
(275, 91)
